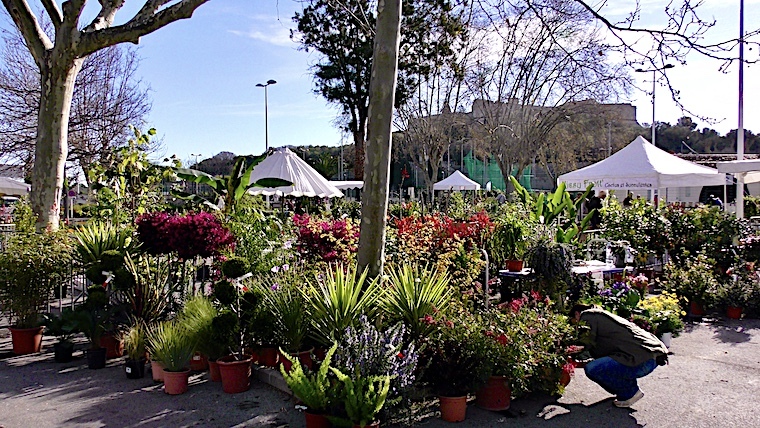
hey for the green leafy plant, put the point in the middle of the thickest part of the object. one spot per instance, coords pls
(314, 389)
(30, 267)
(338, 300)
(363, 397)
(150, 293)
(416, 292)
(96, 315)
(170, 343)
(290, 313)
(63, 325)
(694, 281)
(557, 210)
(507, 241)
(552, 267)
(737, 289)
(664, 313)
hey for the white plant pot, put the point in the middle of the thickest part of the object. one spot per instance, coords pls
(666, 338)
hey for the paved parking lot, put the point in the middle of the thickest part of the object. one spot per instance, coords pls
(713, 380)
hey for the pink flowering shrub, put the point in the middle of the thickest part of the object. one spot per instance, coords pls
(191, 235)
(326, 240)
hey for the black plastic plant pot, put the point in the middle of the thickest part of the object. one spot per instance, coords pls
(96, 358)
(135, 369)
(64, 352)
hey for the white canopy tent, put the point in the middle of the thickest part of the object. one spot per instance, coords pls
(749, 167)
(286, 165)
(11, 186)
(456, 181)
(349, 184)
(642, 166)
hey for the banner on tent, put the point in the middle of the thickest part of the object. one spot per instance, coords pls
(611, 183)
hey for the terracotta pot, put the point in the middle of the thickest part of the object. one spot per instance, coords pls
(64, 352)
(453, 409)
(157, 370)
(495, 395)
(175, 383)
(199, 362)
(696, 309)
(114, 347)
(268, 356)
(316, 420)
(26, 340)
(135, 369)
(213, 372)
(733, 312)
(515, 265)
(304, 357)
(96, 358)
(565, 378)
(236, 374)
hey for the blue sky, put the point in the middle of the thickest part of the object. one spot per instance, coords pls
(203, 74)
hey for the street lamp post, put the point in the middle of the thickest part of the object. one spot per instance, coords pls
(266, 112)
(195, 166)
(654, 86)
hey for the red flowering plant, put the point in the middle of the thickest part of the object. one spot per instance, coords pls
(326, 240)
(454, 355)
(452, 244)
(536, 352)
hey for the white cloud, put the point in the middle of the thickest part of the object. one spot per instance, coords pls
(274, 34)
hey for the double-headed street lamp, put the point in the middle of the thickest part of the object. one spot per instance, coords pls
(654, 86)
(266, 113)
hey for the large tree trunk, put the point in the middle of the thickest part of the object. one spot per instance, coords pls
(382, 90)
(57, 87)
(359, 153)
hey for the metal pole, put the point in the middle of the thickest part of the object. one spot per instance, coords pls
(654, 86)
(740, 130)
(266, 120)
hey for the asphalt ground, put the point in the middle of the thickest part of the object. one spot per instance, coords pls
(713, 380)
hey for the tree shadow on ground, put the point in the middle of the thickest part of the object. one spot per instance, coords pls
(726, 330)
(69, 394)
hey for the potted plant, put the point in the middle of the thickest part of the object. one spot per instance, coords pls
(664, 313)
(736, 290)
(31, 265)
(235, 368)
(508, 242)
(199, 316)
(93, 318)
(63, 327)
(173, 345)
(363, 397)
(312, 389)
(552, 269)
(694, 280)
(456, 364)
(134, 344)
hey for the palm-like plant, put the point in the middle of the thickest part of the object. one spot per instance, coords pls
(151, 292)
(415, 292)
(290, 312)
(95, 238)
(338, 300)
(134, 340)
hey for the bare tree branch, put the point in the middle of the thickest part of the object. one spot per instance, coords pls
(54, 13)
(138, 26)
(36, 39)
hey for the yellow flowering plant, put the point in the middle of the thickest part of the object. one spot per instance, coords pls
(664, 312)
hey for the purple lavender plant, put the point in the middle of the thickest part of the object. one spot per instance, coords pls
(367, 351)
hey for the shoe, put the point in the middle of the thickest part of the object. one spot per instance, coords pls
(629, 402)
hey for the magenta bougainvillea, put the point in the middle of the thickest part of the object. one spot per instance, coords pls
(189, 236)
(326, 239)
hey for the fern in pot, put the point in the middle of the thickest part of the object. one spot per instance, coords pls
(314, 389)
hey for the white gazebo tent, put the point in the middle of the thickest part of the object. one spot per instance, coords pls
(642, 166)
(12, 186)
(456, 181)
(286, 165)
(748, 168)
